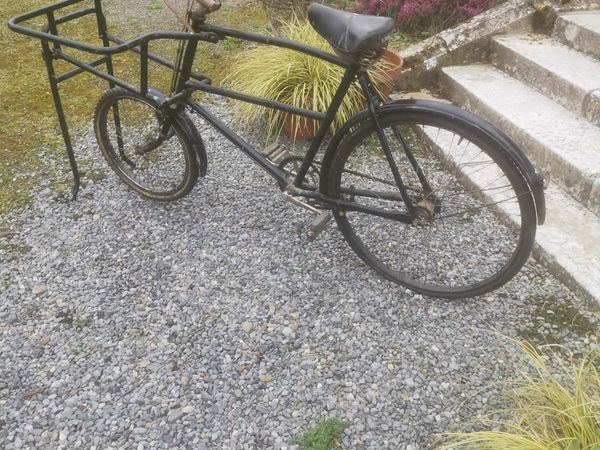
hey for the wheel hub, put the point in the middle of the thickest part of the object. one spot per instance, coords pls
(426, 209)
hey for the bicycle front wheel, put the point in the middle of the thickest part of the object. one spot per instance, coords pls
(475, 219)
(149, 150)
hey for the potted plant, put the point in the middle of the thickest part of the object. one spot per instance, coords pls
(297, 79)
(388, 71)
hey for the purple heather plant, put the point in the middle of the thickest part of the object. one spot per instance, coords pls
(415, 16)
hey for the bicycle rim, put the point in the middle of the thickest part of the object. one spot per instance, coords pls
(477, 219)
(149, 151)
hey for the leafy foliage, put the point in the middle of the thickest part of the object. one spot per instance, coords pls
(323, 437)
(415, 16)
(294, 78)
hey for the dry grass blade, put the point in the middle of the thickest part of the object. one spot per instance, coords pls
(553, 409)
(294, 78)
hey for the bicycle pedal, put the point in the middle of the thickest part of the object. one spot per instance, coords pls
(275, 153)
(296, 201)
(319, 224)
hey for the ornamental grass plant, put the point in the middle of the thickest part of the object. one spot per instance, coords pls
(552, 409)
(294, 78)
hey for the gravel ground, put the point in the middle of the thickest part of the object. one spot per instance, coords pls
(213, 322)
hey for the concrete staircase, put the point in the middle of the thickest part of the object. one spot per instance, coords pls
(544, 91)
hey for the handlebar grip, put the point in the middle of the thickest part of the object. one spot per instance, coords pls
(210, 5)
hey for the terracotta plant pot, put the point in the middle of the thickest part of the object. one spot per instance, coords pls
(299, 128)
(304, 129)
(390, 74)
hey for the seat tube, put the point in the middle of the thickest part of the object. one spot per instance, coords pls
(339, 96)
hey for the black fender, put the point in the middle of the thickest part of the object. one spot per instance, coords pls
(534, 180)
(195, 140)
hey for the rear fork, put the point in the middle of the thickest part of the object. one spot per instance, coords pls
(421, 209)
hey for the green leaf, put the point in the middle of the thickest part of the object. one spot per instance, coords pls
(574, 445)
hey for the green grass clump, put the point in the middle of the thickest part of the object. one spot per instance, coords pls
(327, 435)
(549, 411)
(153, 6)
(294, 78)
(27, 113)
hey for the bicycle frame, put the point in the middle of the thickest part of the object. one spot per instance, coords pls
(191, 81)
(325, 118)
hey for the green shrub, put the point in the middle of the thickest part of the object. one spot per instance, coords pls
(417, 16)
(292, 77)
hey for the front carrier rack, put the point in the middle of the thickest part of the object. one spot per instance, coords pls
(185, 80)
(53, 48)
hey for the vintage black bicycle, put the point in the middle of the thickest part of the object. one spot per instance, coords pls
(430, 196)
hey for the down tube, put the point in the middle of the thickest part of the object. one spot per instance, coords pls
(236, 139)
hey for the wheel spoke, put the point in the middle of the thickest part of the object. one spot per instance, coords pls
(149, 152)
(467, 235)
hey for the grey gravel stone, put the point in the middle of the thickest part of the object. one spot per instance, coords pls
(146, 314)
(174, 415)
(39, 289)
(247, 326)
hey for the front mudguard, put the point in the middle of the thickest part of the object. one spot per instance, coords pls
(195, 140)
(534, 180)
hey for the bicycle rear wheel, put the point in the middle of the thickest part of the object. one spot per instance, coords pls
(477, 219)
(150, 151)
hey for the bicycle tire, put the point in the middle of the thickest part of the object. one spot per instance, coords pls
(496, 222)
(151, 152)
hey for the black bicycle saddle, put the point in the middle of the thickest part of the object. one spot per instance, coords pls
(347, 32)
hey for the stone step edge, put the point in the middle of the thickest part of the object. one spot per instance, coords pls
(564, 91)
(542, 156)
(579, 273)
(577, 36)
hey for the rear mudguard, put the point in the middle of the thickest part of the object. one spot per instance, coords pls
(194, 137)
(534, 180)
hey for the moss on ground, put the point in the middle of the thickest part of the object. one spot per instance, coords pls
(27, 116)
(27, 113)
(554, 322)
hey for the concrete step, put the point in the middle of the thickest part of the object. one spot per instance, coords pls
(580, 30)
(565, 75)
(569, 241)
(554, 138)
